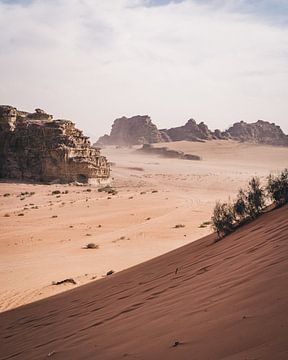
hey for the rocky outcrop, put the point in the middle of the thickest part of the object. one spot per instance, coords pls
(261, 132)
(140, 130)
(35, 147)
(133, 131)
(168, 153)
(191, 131)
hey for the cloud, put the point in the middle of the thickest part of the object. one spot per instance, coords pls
(94, 60)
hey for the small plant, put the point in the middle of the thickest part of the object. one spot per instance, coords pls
(56, 192)
(223, 219)
(54, 216)
(91, 246)
(255, 198)
(178, 226)
(6, 194)
(108, 189)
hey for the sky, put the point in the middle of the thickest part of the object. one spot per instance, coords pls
(92, 61)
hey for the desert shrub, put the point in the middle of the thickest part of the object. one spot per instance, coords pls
(255, 196)
(56, 192)
(240, 205)
(277, 188)
(178, 226)
(108, 189)
(223, 219)
(92, 246)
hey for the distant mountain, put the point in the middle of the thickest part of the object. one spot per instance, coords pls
(132, 131)
(261, 132)
(140, 130)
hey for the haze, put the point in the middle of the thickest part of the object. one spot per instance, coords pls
(93, 60)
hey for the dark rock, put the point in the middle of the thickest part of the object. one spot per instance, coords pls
(69, 281)
(168, 153)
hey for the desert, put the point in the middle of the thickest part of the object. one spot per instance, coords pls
(143, 180)
(43, 235)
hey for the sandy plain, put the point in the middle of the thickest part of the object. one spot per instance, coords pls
(45, 243)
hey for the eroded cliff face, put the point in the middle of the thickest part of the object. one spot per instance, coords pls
(140, 130)
(261, 132)
(133, 131)
(35, 147)
(191, 131)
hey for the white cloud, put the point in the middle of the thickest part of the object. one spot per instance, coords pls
(93, 61)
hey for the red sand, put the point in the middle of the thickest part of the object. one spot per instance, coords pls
(227, 300)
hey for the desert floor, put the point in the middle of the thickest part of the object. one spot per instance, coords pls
(43, 236)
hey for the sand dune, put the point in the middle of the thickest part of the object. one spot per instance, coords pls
(46, 243)
(225, 300)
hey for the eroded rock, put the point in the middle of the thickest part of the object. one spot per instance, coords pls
(35, 147)
(133, 131)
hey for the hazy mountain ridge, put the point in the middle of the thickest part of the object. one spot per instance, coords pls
(140, 130)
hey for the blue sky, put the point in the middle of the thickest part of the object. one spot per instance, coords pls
(218, 61)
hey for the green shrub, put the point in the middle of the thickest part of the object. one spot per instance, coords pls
(255, 198)
(277, 188)
(223, 219)
(240, 205)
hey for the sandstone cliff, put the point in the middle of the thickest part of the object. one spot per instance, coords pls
(261, 132)
(133, 131)
(35, 147)
(191, 131)
(140, 130)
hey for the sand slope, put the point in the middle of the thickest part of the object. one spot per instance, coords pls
(226, 301)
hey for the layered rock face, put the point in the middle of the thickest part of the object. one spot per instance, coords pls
(133, 131)
(35, 147)
(261, 132)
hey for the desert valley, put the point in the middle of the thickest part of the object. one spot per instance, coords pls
(144, 202)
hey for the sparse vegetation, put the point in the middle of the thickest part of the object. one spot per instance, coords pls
(277, 188)
(178, 226)
(91, 246)
(250, 203)
(6, 194)
(108, 189)
(56, 192)
(205, 224)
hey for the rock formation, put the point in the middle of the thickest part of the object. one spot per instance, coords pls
(35, 147)
(191, 131)
(261, 132)
(133, 131)
(168, 153)
(140, 130)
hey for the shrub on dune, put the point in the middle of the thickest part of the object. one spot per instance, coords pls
(223, 219)
(277, 188)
